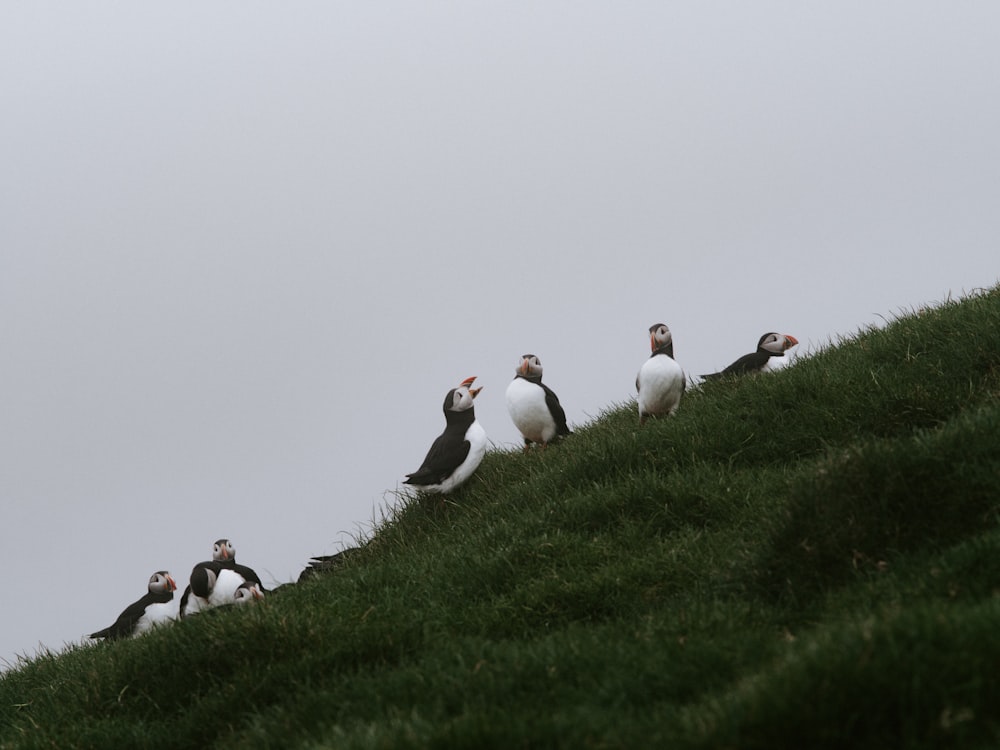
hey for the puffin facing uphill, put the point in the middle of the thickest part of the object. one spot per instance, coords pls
(458, 451)
(533, 406)
(660, 382)
(770, 345)
(152, 609)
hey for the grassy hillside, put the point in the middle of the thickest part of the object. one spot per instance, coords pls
(807, 559)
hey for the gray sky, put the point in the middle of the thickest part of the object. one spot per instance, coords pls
(246, 248)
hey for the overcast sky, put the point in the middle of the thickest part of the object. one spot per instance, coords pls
(246, 248)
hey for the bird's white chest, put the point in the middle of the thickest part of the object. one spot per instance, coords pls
(158, 613)
(661, 383)
(225, 587)
(778, 363)
(529, 412)
(476, 436)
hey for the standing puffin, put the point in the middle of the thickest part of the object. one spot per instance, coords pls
(152, 609)
(660, 382)
(458, 451)
(532, 405)
(770, 345)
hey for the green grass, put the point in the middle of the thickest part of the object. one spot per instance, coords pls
(807, 559)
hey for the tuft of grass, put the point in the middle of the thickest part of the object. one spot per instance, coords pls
(806, 559)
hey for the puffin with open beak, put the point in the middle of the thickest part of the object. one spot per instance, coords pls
(770, 345)
(458, 451)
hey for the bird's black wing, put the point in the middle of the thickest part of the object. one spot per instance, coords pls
(249, 574)
(446, 455)
(125, 624)
(325, 563)
(184, 599)
(747, 363)
(556, 410)
(201, 584)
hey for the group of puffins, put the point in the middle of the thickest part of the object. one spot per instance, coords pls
(453, 457)
(213, 583)
(539, 417)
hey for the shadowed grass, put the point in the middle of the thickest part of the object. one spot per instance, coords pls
(805, 559)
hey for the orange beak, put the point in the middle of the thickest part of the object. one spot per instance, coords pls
(652, 342)
(468, 383)
(790, 341)
(171, 584)
(523, 367)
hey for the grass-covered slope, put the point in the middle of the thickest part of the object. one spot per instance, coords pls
(806, 559)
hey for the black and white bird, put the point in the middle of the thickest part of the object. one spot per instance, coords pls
(247, 593)
(533, 406)
(154, 608)
(769, 346)
(660, 382)
(199, 588)
(458, 451)
(214, 582)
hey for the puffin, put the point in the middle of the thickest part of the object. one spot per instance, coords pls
(214, 581)
(201, 584)
(458, 451)
(247, 593)
(533, 406)
(660, 382)
(154, 608)
(770, 345)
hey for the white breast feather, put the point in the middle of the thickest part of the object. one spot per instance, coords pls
(476, 435)
(529, 412)
(158, 613)
(225, 587)
(661, 383)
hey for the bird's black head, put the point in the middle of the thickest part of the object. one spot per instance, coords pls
(461, 398)
(661, 341)
(161, 582)
(223, 550)
(776, 344)
(530, 368)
